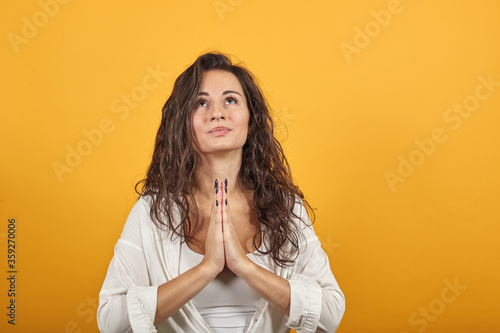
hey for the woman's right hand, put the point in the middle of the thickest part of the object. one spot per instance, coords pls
(173, 294)
(214, 244)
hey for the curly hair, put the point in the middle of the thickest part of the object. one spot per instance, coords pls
(264, 168)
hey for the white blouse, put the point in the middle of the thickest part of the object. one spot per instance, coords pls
(146, 257)
(227, 303)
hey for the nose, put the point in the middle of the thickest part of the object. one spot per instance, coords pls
(217, 112)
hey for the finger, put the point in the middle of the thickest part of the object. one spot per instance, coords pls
(216, 218)
(215, 201)
(226, 204)
(220, 197)
(213, 212)
(227, 225)
(217, 190)
(224, 194)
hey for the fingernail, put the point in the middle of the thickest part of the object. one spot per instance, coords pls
(216, 186)
(217, 203)
(225, 185)
(226, 202)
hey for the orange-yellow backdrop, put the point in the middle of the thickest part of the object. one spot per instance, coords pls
(392, 116)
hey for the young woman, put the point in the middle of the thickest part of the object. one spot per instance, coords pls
(220, 239)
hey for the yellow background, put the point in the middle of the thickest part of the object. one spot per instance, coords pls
(351, 118)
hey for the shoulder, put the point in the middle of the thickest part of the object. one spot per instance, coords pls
(140, 212)
(300, 214)
(141, 220)
(138, 218)
(303, 222)
(142, 215)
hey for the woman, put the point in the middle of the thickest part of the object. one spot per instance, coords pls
(220, 239)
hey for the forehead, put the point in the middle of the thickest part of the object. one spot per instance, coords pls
(217, 81)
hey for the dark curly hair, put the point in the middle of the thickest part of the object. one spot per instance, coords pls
(264, 168)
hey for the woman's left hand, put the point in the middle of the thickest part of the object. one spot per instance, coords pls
(236, 259)
(271, 287)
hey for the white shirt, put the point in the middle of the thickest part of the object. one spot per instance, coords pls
(146, 257)
(227, 303)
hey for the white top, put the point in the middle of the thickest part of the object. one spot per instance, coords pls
(227, 303)
(146, 257)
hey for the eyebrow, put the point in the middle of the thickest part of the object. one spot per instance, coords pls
(203, 93)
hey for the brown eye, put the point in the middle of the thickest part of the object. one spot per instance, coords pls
(201, 102)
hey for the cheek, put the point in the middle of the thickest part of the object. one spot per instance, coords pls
(247, 124)
(197, 126)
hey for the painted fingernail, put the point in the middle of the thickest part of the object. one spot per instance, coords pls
(216, 186)
(217, 203)
(225, 185)
(226, 202)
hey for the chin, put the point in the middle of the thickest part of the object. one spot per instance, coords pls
(223, 150)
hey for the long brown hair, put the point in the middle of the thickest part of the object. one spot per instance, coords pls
(264, 168)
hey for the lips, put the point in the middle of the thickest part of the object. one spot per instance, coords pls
(219, 131)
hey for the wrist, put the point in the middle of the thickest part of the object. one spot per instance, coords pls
(245, 268)
(208, 270)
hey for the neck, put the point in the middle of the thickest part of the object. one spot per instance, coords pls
(218, 167)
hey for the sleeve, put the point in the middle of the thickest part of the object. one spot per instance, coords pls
(316, 302)
(127, 301)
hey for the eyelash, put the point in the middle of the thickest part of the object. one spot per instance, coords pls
(199, 101)
(205, 101)
(233, 98)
